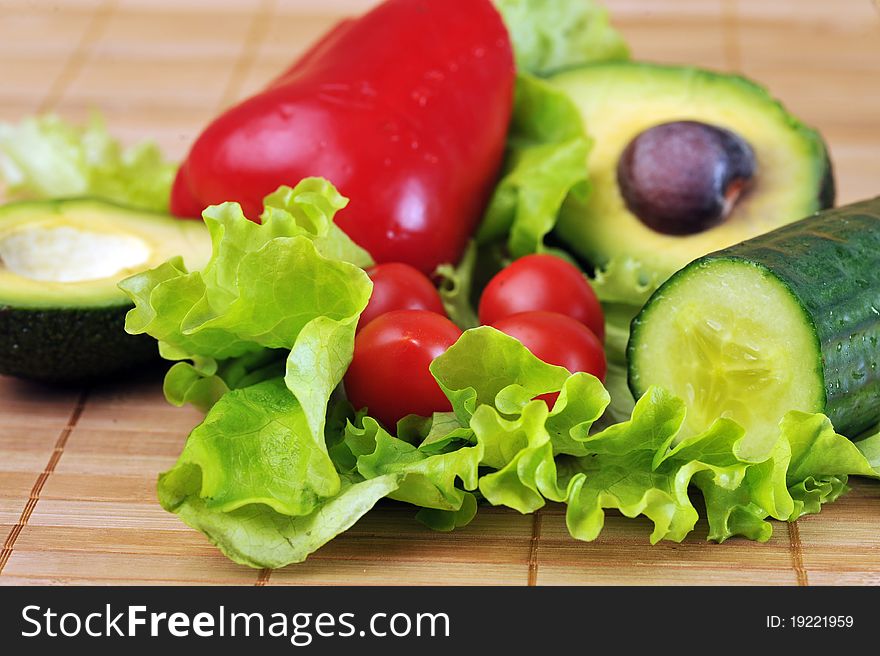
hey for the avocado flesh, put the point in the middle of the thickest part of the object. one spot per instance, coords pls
(618, 101)
(62, 315)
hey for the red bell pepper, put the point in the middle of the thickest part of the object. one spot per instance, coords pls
(404, 109)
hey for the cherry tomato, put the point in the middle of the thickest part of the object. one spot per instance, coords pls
(389, 372)
(557, 339)
(542, 282)
(398, 286)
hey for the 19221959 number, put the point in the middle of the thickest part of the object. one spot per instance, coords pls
(810, 622)
(822, 621)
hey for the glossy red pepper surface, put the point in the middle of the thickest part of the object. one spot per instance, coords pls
(404, 109)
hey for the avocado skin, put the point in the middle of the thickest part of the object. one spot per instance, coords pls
(70, 345)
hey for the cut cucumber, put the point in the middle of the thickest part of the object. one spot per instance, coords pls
(789, 320)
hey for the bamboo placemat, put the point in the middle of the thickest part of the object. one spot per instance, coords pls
(78, 467)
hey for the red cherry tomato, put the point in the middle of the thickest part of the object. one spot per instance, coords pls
(542, 282)
(389, 372)
(557, 339)
(398, 286)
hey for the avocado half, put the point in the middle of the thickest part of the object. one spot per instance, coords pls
(62, 315)
(618, 101)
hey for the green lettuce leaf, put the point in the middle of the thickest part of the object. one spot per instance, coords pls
(46, 157)
(555, 34)
(267, 332)
(546, 160)
(483, 364)
(743, 482)
(623, 291)
(618, 317)
(457, 287)
(437, 482)
(440, 433)
(869, 446)
(547, 143)
(263, 284)
(623, 288)
(642, 466)
(622, 281)
(203, 382)
(253, 447)
(266, 286)
(258, 536)
(288, 500)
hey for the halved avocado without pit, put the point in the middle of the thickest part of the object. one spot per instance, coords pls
(685, 162)
(61, 312)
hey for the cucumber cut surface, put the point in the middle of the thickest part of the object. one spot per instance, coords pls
(731, 340)
(789, 320)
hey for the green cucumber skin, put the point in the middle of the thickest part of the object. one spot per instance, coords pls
(70, 345)
(831, 264)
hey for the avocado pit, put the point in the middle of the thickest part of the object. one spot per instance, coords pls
(684, 177)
